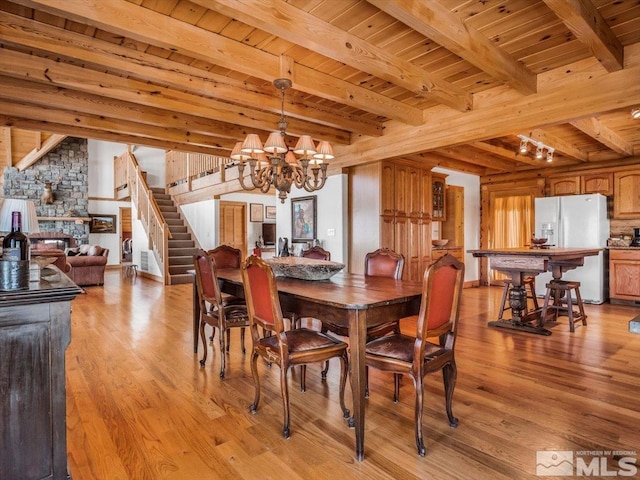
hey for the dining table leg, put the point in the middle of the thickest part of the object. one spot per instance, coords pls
(357, 342)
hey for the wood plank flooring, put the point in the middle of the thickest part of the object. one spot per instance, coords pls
(139, 406)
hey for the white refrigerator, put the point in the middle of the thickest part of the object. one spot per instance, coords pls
(576, 221)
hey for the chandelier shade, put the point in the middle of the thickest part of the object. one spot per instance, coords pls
(275, 164)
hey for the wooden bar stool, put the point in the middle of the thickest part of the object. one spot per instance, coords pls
(560, 289)
(529, 285)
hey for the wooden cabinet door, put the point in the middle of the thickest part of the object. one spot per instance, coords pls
(597, 183)
(624, 275)
(387, 232)
(564, 185)
(626, 197)
(413, 257)
(402, 194)
(425, 194)
(414, 191)
(438, 186)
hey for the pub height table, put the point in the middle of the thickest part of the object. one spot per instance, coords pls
(519, 263)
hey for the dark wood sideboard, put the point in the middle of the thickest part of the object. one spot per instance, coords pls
(34, 334)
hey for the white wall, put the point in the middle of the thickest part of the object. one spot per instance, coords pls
(331, 215)
(471, 185)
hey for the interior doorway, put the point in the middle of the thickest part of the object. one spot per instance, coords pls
(233, 225)
(126, 234)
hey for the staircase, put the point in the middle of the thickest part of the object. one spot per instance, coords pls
(181, 246)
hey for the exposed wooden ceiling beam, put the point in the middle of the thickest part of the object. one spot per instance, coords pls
(22, 31)
(34, 68)
(130, 20)
(436, 22)
(302, 28)
(95, 123)
(7, 148)
(434, 159)
(469, 155)
(37, 153)
(109, 136)
(584, 97)
(603, 134)
(587, 24)
(505, 153)
(71, 100)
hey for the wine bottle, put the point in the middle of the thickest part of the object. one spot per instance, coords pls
(15, 245)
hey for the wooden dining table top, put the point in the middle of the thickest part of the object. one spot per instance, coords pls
(344, 290)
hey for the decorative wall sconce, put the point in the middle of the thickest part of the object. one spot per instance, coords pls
(541, 150)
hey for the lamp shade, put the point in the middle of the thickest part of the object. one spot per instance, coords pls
(27, 210)
(236, 153)
(275, 143)
(325, 152)
(305, 146)
(252, 144)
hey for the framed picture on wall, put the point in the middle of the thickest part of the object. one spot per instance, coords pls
(101, 223)
(303, 219)
(255, 212)
(269, 212)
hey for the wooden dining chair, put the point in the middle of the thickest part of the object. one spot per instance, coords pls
(213, 311)
(382, 262)
(417, 355)
(286, 348)
(317, 252)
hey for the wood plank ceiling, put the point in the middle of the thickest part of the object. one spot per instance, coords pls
(449, 82)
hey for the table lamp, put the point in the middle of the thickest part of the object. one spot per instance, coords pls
(28, 211)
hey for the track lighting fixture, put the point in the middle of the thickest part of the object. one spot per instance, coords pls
(635, 113)
(540, 148)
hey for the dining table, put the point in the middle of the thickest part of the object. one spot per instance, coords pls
(518, 263)
(352, 300)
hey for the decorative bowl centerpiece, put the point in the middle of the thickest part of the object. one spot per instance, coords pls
(304, 268)
(538, 241)
(439, 243)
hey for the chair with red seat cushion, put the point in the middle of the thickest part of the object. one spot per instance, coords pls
(416, 355)
(286, 348)
(212, 309)
(379, 263)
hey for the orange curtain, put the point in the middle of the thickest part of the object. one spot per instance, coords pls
(512, 224)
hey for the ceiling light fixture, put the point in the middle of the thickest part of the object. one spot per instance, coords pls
(635, 113)
(275, 164)
(540, 148)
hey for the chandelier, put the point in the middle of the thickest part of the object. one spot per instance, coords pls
(539, 146)
(274, 164)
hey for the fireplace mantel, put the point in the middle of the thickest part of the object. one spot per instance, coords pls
(65, 219)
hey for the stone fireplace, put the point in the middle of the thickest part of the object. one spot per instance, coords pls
(67, 168)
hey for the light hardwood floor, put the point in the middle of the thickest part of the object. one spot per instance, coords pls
(139, 406)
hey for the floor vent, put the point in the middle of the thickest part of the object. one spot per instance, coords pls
(144, 261)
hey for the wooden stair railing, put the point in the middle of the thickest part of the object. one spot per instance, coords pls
(130, 180)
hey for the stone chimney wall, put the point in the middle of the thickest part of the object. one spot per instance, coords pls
(67, 167)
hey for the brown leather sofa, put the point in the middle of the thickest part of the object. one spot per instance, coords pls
(88, 263)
